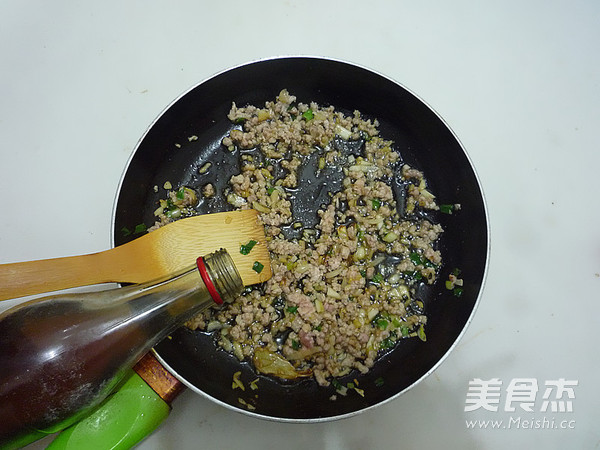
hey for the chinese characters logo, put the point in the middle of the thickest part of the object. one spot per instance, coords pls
(521, 393)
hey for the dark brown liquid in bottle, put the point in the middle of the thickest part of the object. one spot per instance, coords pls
(61, 356)
(57, 360)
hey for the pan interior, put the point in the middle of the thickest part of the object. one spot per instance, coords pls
(188, 134)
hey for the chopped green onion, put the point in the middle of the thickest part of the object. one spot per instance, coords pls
(421, 333)
(180, 193)
(382, 324)
(416, 259)
(319, 327)
(363, 273)
(379, 382)
(447, 209)
(415, 275)
(449, 285)
(173, 213)
(377, 278)
(270, 190)
(308, 114)
(246, 248)
(404, 331)
(240, 120)
(350, 385)
(202, 170)
(292, 309)
(390, 237)
(337, 385)
(457, 291)
(456, 272)
(376, 203)
(126, 231)
(428, 263)
(140, 228)
(296, 345)
(321, 163)
(387, 343)
(257, 267)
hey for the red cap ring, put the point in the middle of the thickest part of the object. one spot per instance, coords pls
(212, 290)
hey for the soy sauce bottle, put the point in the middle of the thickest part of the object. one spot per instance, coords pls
(61, 355)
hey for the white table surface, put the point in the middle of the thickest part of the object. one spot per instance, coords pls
(519, 83)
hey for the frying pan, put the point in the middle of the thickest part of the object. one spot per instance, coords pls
(188, 134)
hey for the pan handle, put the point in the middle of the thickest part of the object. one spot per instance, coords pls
(125, 418)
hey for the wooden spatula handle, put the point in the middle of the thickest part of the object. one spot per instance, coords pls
(35, 277)
(155, 255)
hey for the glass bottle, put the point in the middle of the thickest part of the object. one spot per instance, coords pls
(61, 355)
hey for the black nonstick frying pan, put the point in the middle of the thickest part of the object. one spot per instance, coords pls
(166, 153)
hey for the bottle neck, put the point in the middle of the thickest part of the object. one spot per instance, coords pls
(160, 307)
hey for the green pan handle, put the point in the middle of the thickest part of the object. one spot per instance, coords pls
(124, 419)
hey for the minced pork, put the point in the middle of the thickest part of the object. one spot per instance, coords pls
(342, 292)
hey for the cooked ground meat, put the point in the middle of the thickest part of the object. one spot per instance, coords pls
(343, 291)
(208, 190)
(178, 204)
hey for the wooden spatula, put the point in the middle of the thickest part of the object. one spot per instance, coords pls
(157, 254)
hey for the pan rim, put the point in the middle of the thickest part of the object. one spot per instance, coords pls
(485, 214)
